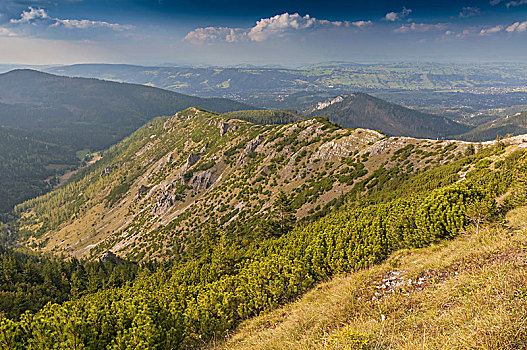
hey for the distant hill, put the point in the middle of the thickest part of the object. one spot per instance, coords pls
(360, 110)
(515, 124)
(47, 118)
(89, 113)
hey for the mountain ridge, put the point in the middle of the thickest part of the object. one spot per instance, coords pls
(200, 162)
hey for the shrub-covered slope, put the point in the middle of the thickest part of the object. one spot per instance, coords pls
(469, 293)
(153, 193)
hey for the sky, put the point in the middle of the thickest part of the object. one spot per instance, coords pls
(287, 33)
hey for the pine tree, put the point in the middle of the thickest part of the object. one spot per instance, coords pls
(284, 214)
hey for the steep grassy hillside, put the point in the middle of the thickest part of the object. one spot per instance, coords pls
(365, 111)
(59, 116)
(151, 195)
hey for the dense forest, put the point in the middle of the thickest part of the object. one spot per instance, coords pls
(224, 278)
(29, 165)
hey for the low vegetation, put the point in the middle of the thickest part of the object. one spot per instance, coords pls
(227, 276)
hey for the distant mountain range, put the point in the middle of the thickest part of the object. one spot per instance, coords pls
(443, 88)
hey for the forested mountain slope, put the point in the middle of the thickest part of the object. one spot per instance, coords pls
(515, 124)
(59, 116)
(28, 166)
(151, 194)
(88, 113)
(365, 111)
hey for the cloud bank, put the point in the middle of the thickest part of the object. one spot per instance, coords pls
(40, 16)
(266, 28)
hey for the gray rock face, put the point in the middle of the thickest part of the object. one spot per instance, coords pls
(111, 257)
(143, 189)
(250, 148)
(202, 180)
(165, 202)
(107, 170)
(224, 127)
(192, 159)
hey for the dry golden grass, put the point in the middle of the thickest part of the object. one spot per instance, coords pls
(468, 293)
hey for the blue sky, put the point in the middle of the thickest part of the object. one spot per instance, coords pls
(266, 32)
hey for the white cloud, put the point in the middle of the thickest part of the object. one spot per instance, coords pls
(492, 30)
(34, 16)
(517, 27)
(419, 27)
(201, 35)
(281, 24)
(397, 16)
(469, 12)
(85, 23)
(265, 28)
(516, 3)
(31, 15)
(361, 24)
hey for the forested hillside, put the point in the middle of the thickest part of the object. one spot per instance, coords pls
(49, 118)
(515, 124)
(29, 165)
(365, 111)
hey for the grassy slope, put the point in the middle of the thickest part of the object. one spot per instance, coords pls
(473, 296)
